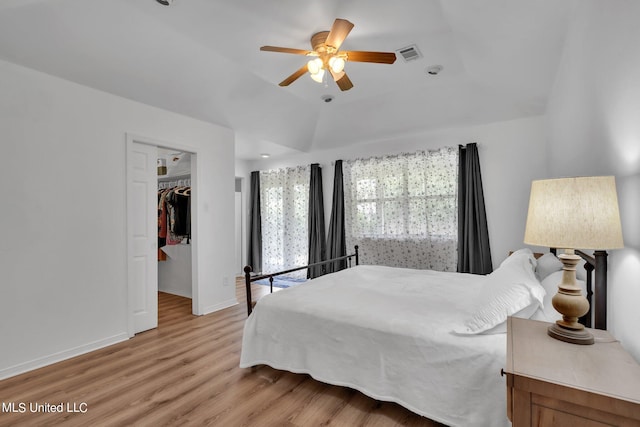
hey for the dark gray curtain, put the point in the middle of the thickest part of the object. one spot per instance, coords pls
(474, 253)
(255, 225)
(317, 242)
(336, 241)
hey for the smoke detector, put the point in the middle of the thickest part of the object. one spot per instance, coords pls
(433, 70)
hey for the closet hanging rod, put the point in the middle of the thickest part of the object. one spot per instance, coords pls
(171, 184)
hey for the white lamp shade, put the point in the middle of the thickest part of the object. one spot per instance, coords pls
(574, 213)
(318, 76)
(337, 64)
(314, 65)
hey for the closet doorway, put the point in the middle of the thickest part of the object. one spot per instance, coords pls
(144, 246)
(174, 222)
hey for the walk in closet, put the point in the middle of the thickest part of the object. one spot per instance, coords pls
(174, 223)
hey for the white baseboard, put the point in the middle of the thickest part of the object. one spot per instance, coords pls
(60, 356)
(220, 306)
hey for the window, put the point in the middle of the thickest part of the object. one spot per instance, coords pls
(399, 206)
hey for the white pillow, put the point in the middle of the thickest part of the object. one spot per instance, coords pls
(550, 285)
(510, 290)
(547, 264)
(519, 253)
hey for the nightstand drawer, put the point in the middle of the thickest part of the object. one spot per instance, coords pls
(548, 417)
(546, 411)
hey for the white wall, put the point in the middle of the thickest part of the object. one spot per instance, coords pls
(594, 129)
(174, 272)
(511, 154)
(63, 215)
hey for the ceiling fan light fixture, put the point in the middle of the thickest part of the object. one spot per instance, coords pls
(319, 76)
(314, 66)
(337, 64)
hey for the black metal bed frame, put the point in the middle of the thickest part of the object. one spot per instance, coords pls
(248, 278)
(596, 264)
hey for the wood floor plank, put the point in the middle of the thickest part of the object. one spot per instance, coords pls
(185, 373)
(356, 413)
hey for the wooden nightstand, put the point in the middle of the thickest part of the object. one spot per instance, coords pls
(553, 383)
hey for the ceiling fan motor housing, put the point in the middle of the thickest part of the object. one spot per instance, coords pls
(317, 41)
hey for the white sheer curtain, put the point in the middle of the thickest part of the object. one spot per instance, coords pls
(284, 207)
(402, 210)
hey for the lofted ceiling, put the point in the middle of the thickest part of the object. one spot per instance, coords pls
(201, 58)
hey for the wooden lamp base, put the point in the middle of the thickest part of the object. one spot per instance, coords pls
(582, 336)
(570, 302)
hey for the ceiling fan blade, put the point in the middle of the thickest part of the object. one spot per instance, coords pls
(295, 76)
(342, 80)
(288, 50)
(377, 57)
(339, 31)
(336, 76)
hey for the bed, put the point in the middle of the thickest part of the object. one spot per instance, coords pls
(430, 341)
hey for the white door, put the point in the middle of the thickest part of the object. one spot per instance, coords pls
(142, 235)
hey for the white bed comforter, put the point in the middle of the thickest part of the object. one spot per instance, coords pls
(387, 333)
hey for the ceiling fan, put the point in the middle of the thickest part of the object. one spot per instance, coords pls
(328, 57)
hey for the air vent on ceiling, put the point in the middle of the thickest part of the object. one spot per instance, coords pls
(410, 53)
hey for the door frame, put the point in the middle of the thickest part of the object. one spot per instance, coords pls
(129, 140)
(243, 231)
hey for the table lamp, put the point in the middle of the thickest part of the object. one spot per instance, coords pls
(573, 213)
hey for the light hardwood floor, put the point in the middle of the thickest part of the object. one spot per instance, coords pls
(185, 373)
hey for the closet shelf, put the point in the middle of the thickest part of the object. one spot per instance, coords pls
(168, 178)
